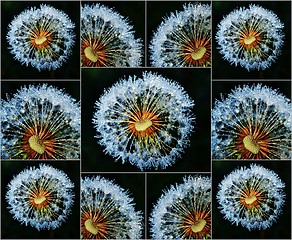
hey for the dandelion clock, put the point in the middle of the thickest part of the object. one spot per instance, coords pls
(252, 122)
(41, 197)
(250, 37)
(41, 37)
(107, 211)
(107, 39)
(252, 197)
(183, 39)
(183, 211)
(40, 122)
(145, 121)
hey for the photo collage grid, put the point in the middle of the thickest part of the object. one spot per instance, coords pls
(146, 119)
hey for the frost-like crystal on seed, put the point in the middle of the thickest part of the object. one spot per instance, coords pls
(107, 39)
(145, 121)
(250, 37)
(183, 211)
(41, 37)
(40, 122)
(107, 212)
(183, 39)
(252, 197)
(41, 197)
(252, 123)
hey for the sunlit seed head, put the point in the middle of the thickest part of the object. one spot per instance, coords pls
(146, 121)
(41, 197)
(198, 53)
(89, 53)
(183, 39)
(107, 212)
(107, 39)
(40, 122)
(143, 125)
(250, 37)
(252, 197)
(253, 122)
(198, 226)
(36, 144)
(91, 227)
(41, 37)
(94, 225)
(183, 211)
(249, 40)
(40, 40)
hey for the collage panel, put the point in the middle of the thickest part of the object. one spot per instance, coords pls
(133, 115)
(251, 120)
(40, 39)
(112, 206)
(251, 39)
(251, 199)
(179, 34)
(40, 200)
(40, 120)
(179, 206)
(112, 33)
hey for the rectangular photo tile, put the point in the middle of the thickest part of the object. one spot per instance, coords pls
(40, 200)
(179, 205)
(146, 120)
(251, 200)
(40, 120)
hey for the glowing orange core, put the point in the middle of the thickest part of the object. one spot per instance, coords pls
(40, 198)
(198, 226)
(41, 39)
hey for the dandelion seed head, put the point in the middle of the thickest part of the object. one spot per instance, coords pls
(251, 197)
(253, 122)
(107, 211)
(41, 197)
(250, 37)
(146, 121)
(183, 39)
(107, 39)
(40, 122)
(183, 211)
(41, 37)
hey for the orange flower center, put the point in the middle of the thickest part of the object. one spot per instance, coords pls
(197, 225)
(41, 39)
(249, 39)
(251, 198)
(93, 225)
(144, 123)
(253, 143)
(40, 198)
(93, 53)
(38, 143)
(198, 52)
